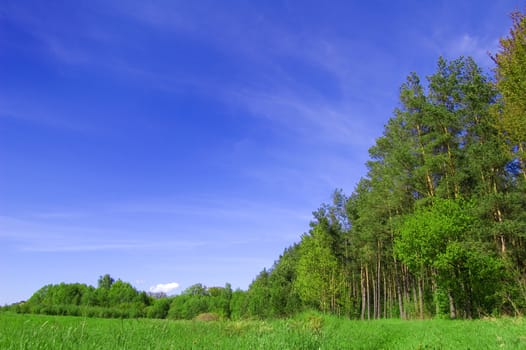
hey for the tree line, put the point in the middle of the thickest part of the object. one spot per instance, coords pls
(118, 299)
(436, 228)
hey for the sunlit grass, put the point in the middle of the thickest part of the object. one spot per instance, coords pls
(306, 331)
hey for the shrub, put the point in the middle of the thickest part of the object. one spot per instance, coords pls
(207, 317)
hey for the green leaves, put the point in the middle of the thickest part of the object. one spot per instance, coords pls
(425, 235)
(511, 82)
(317, 269)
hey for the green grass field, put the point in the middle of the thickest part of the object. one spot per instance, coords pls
(308, 331)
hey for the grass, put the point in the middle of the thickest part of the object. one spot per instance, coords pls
(307, 331)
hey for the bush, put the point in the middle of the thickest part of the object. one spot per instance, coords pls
(159, 308)
(207, 317)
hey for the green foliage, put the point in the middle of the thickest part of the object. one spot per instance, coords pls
(159, 308)
(436, 226)
(196, 289)
(426, 234)
(284, 298)
(198, 299)
(105, 282)
(511, 82)
(238, 305)
(122, 300)
(317, 270)
(111, 299)
(258, 296)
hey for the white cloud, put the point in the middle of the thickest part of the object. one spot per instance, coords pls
(164, 287)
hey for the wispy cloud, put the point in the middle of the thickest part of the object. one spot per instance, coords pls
(273, 90)
(163, 16)
(469, 45)
(49, 35)
(206, 207)
(60, 215)
(452, 46)
(165, 225)
(296, 112)
(256, 41)
(34, 235)
(308, 118)
(40, 113)
(64, 247)
(83, 244)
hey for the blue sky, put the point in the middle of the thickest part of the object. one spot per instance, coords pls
(189, 141)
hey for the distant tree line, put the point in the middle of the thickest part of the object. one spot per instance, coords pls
(118, 299)
(110, 299)
(436, 228)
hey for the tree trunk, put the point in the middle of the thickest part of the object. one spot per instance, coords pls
(434, 289)
(399, 292)
(452, 308)
(415, 296)
(384, 313)
(375, 295)
(367, 292)
(421, 297)
(378, 283)
(406, 288)
(364, 298)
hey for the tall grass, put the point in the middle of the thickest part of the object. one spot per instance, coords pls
(307, 331)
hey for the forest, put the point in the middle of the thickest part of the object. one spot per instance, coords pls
(436, 228)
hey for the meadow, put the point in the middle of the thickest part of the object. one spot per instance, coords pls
(306, 331)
